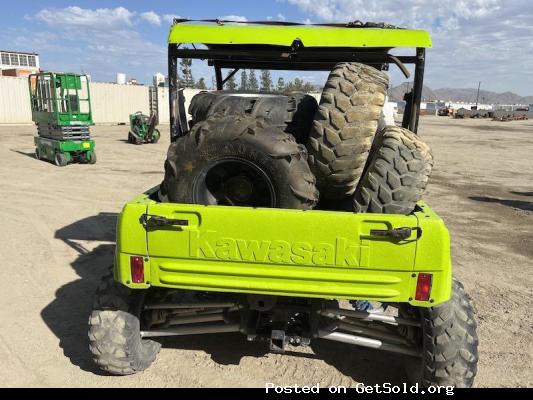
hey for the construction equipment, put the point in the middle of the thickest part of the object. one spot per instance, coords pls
(61, 109)
(445, 112)
(143, 129)
(230, 241)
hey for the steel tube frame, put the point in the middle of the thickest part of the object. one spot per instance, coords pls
(198, 329)
(372, 317)
(288, 58)
(194, 319)
(170, 306)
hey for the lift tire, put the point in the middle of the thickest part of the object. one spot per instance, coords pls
(201, 167)
(37, 153)
(292, 113)
(156, 135)
(92, 160)
(114, 330)
(396, 174)
(344, 127)
(449, 342)
(60, 160)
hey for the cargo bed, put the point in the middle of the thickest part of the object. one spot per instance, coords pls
(314, 254)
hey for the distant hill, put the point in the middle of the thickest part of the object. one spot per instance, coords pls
(397, 93)
(460, 95)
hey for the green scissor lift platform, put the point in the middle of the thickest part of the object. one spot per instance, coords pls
(61, 109)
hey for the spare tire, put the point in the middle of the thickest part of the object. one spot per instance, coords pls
(239, 161)
(344, 126)
(205, 104)
(291, 113)
(396, 174)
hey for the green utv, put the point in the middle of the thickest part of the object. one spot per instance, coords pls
(235, 239)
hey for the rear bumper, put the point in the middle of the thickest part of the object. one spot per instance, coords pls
(301, 266)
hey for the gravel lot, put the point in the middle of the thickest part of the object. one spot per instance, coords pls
(56, 240)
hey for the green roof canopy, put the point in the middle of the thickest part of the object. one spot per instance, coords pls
(311, 36)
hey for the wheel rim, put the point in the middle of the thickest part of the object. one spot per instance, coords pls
(234, 182)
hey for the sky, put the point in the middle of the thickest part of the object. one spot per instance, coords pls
(473, 40)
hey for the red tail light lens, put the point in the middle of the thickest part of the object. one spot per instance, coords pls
(423, 287)
(137, 269)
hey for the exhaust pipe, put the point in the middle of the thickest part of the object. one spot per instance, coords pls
(367, 342)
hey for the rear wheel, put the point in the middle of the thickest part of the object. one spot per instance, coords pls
(60, 159)
(239, 161)
(37, 153)
(448, 340)
(156, 135)
(115, 330)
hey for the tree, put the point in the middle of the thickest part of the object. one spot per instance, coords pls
(201, 84)
(187, 80)
(231, 84)
(298, 85)
(266, 81)
(252, 82)
(281, 85)
(244, 81)
(308, 87)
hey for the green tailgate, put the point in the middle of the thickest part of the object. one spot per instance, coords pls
(318, 254)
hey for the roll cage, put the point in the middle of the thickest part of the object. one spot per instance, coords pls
(227, 49)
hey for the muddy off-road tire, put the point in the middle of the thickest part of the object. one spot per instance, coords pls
(449, 342)
(344, 126)
(239, 160)
(114, 330)
(292, 113)
(396, 174)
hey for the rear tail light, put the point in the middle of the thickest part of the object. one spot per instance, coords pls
(423, 287)
(137, 269)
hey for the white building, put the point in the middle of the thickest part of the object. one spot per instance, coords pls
(17, 63)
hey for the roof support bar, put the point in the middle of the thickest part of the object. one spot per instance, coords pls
(173, 93)
(230, 75)
(218, 77)
(417, 90)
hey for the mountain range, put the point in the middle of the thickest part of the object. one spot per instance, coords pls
(460, 95)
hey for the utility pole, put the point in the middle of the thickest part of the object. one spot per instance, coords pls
(477, 97)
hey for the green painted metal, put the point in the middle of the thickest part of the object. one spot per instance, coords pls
(321, 254)
(72, 149)
(60, 99)
(140, 128)
(311, 36)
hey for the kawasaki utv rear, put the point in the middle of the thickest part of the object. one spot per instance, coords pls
(236, 240)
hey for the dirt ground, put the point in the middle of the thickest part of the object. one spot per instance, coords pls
(56, 240)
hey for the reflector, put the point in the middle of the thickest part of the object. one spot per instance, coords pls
(423, 287)
(137, 269)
